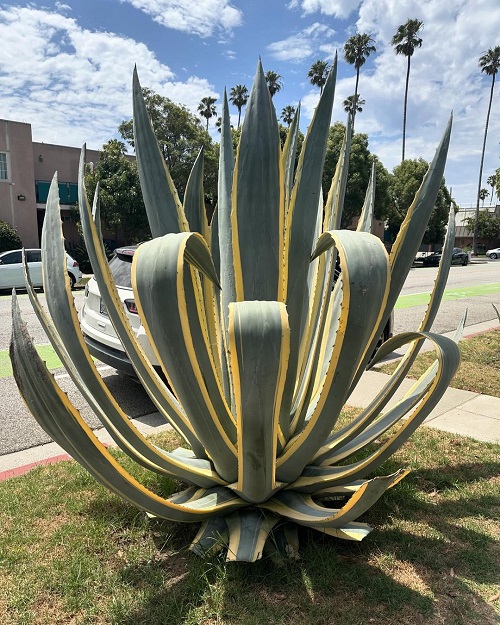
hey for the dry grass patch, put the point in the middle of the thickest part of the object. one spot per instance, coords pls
(479, 370)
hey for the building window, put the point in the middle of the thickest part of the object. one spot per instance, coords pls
(3, 166)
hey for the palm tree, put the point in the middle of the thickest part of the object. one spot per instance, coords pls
(483, 194)
(239, 97)
(352, 105)
(274, 82)
(492, 181)
(287, 114)
(206, 108)
(405, 41)
(489, 62)
(356, 50)
(318, 74)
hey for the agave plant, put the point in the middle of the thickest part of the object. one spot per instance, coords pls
(260, 342)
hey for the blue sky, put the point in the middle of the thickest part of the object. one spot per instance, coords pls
(66, 67)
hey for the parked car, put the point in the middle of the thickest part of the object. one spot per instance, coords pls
(12, 272)
(459, 257)
(494, 253)
(99, 333)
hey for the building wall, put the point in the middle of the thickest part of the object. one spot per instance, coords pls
(30, 163)
(17, 193)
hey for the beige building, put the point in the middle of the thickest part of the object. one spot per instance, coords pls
(26, 170)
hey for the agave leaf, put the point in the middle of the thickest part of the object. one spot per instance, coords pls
(366, 218)
(248, 531)
(335, 200)
(159, 393)
(350, 531)
(64, 423)
(448, 354)
(387, 392)
(170, 303)
(67, 340)
(362, 300)
(212, 536)
(289, 153)
(303, 510)
(301, 221)
(194, 199)
(259, 344)
(408, 240)
(163, 207)
(257, 218)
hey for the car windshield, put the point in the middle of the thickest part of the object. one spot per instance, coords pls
(121, 267)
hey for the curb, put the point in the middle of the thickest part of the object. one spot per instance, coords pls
(18, 471)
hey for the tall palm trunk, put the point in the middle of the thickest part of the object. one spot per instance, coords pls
(239, 115)
(476, 220)
(355, 98)
(405, 108)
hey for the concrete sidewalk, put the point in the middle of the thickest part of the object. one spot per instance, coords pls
(462, 412)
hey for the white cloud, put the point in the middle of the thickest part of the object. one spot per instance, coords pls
(74, 85)
(303, 44)
(203, 18)
(337, 8)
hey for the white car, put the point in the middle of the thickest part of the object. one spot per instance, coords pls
(12, 272)
(494, 253)
(97, 328)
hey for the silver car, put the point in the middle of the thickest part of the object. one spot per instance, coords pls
(494, 253)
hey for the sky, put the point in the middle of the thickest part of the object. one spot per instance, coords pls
(66, 67)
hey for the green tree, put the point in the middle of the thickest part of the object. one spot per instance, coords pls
(274, 82)
(120, 194)
(180, 136)
(239, 97)
(489, 62)
(318, 74)
(356, 50)
(206, 108)
(9, 239)
(405, 182)
(488, 227)
(360, 162)
(287, 114)
(405, 41)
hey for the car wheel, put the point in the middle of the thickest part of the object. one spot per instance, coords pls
(465, 262)
(493, 256)
(72, 280)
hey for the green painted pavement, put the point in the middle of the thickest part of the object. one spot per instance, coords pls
(46, 353)
(422, 299)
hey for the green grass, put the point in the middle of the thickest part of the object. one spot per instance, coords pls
(71, 552)
(479, 368)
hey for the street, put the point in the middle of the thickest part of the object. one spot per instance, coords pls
(475, 287)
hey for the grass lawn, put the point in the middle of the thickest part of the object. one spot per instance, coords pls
(480, 367)
(71, 552)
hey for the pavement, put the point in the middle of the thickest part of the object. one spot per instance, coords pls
(460, 412)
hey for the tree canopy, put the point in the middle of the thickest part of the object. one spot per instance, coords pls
(180, 135)
(120, 194)
(239, 97)
(360, 162)
(318, 74)
(404, 183)
(488, 226)
(274, 82)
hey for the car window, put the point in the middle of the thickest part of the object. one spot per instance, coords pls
(12, 258)
(34, 256)
(121, 271)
